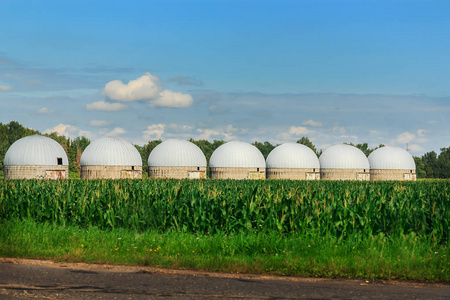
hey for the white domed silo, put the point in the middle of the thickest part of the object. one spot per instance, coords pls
(237, 160)
(344, 162)
(177, 159)
(392, 163)
(36, 157)
(111, 158)
(292, 161)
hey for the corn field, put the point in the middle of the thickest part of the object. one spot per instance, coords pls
(340, 209)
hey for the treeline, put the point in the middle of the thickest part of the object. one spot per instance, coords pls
(430, 165)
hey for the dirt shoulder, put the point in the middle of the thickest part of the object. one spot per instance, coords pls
(30, 278)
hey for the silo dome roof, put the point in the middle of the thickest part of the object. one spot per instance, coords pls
(391, 158)
(111, 151)
(237, 155)
(292, 156)
(35, 150)
(343, 157)
(176, 153)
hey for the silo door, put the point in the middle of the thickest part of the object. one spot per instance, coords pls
(312, 176)
(196, 175)
(409, 176)
(129, 174)
(256, 175)
(363, 176)
(57, 174)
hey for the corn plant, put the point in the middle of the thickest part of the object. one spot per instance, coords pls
(341, 209)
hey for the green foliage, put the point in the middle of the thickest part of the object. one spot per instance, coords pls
(444, 163)
(430, 164)
(365, 148)
(145, 152)
(265, 148)
(306, 141)
(81, 143)
(420, 167)
(377, 257)
(320, 208)
(207, 147)
(437, 166)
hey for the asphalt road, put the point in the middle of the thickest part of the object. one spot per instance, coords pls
(35, 279)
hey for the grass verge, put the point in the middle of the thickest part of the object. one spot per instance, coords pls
(378, 257)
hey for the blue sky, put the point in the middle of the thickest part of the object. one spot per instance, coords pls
(335, 71)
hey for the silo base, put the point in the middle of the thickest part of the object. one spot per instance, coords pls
(177, 172)
(36, 172)
(393, 175)
(111, 172)
(238, 173)
(293, 174)
(345, 174)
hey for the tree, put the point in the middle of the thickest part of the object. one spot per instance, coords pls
(306, 141)
(265, 148)
(430, 164)
(420, 167)
(81, 142)
(365, 148)
(207, 147)
(145, 152)
(17, 131)
(443, 163)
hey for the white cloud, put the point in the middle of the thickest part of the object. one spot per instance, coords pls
(68, 131)
(323, 146)
(346, 138)
(230, 128)
(404, 138)
(5, 88)
(312, 123)
(99, 123)
(145, 87)
(172, 99)
(432, 122)
(86, 133)
(116, 131)
(407, 138)
(105, 106)
(299, 130)
(62, 129)
(421, 136)
(295, 131)
(44, 111)
(338, 129)
(415, 148)
(153, 132)
(421, 132)
(226, 133)
(373, 132)
(179, 128)
(205, 134)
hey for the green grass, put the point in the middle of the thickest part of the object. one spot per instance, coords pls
(377, 230)
(339, 209)
(379, 257)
